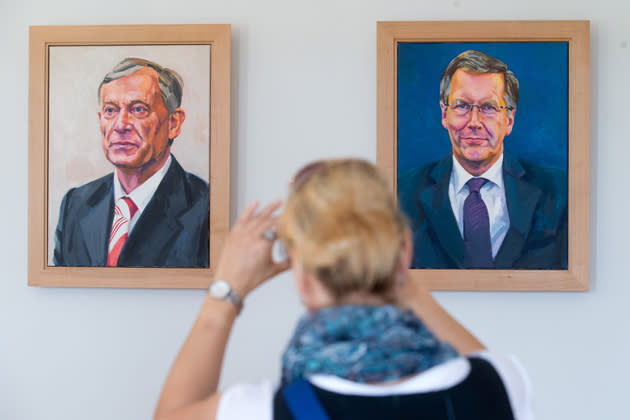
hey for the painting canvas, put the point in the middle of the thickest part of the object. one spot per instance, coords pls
(531, 188)
(484, 132)
(80, 154)
(131, 155)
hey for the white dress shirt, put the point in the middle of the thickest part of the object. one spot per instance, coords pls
(492, 194)
(143, 193)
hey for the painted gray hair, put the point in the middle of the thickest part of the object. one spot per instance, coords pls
(476, 62)
(171, 83)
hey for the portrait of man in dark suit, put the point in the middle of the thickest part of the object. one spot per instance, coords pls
(149, 212)
(480, 206)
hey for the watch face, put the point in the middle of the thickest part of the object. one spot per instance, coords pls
(219, 289)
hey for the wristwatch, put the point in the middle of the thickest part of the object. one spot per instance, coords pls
(221, 290)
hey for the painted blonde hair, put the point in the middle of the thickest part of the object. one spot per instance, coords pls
(343, 224)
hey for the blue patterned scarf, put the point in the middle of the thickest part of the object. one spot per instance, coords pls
(365, 344)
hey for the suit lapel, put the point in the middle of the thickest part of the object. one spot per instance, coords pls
(95, 232)
(522, 199)
(150, 239)
(439, 213)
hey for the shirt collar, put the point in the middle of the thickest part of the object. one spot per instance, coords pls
(143, 192)
(460, 176)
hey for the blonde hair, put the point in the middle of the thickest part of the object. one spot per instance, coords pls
(343, 224)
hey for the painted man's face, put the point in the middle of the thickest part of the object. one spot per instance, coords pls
(135, 124)
(477, 139)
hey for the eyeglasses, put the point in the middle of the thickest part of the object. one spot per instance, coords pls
(487, 109)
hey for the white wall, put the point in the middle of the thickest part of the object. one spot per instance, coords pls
(303, 87)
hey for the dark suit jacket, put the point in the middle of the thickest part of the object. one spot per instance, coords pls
(537, 206)
(173, 230)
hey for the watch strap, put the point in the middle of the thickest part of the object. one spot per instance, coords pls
(233, 297)
(230, 296)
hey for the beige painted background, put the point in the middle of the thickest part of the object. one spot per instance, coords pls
(75, 153)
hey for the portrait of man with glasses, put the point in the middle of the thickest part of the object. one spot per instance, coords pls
(480, 206)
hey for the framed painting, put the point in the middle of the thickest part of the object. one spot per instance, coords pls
(129, 151)
(483, 131)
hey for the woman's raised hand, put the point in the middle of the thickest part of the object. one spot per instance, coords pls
(246, 260)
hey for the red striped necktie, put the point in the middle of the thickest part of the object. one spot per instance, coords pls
(124, 211)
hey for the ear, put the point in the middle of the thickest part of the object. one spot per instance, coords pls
(444, 109)
(406, 253)
(303, 285)
(312, 293)
(510, 116)
(298, 274)
(303, 281)
(175, 122)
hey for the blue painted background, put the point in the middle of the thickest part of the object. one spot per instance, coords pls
(540, 133)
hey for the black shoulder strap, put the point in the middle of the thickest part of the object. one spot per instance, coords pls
(303, 402)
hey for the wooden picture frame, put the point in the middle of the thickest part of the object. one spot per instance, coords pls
(392, 36)
(208, 138)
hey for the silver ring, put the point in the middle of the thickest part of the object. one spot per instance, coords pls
(269, 234)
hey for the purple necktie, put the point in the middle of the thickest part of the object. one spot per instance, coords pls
(477, 227)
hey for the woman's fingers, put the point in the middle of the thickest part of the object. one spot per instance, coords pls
(246, 260)
(247, 213)
(268, 224)
(264, 216)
